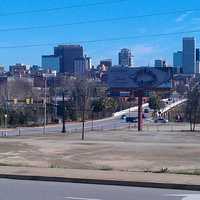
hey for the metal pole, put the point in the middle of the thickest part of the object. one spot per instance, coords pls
(45, 105)
(92, 121)
(63, 113)
(140, 119)
(83, 119)
(55, 100)
(129, 125)
(6, 116)
(83, 126)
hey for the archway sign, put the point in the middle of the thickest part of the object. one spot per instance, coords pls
(139, 80)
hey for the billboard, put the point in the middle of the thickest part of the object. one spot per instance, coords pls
(140, 78)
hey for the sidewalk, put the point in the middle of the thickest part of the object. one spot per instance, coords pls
(169, 181)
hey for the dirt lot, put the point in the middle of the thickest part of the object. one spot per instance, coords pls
(113, 150)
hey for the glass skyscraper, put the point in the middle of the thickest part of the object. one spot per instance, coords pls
(125, 57)
(178, 59)
(189, 55)
(67, 54)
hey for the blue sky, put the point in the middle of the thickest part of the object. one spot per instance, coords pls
(145, 49)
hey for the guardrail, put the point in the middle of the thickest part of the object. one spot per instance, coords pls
(132, 109)
(166, 109)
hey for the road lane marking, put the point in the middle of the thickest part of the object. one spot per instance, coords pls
(78, 198)
(187, 196)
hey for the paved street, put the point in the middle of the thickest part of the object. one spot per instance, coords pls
(106, 124)
(30, 190)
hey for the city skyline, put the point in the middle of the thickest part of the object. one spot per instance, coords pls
(144, 49)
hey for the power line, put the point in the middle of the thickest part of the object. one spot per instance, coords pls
(61, 8)
(97, 21)
(102, 40)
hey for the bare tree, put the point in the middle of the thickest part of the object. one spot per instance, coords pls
(19, 88)
(81, 94)
(193, 106)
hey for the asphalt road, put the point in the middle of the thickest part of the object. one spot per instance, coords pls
(30, 190)
(106, 124)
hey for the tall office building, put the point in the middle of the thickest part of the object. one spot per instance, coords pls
(189, 55)
(159, 63)
(82, 66)
(125, 57)
(67, 54)
(51, 62)
(2, 69)
(197, 61)
(89, 62)
(178, 59)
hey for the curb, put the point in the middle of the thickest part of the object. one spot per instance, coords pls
(103, 182)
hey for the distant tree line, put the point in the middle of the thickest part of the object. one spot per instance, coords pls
(83, 99)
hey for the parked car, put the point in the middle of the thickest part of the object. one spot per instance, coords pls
(161, 120)
(131, 119)
(146, 110)
(123, 117)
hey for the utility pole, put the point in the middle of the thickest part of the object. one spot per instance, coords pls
(63, 113)
(140, 110)
(45, 104)
(92, 120)
(83, 118)
(5, 123)
(129, 114)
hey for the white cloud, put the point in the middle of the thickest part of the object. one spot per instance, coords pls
(182, 17)
(141, 49)
(143, 54)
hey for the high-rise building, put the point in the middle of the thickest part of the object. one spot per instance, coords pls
(159, 63)
(89, 62)
(189, 55)
(67, 54)
(197, 61)
(1, 69)
(82, 66)
(51, 62)
(178, 59)
(125, 57)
